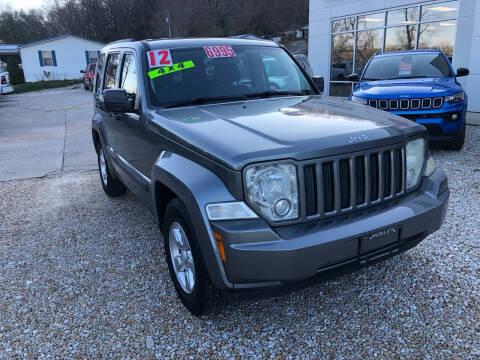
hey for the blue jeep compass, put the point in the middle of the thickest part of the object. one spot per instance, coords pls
(419, 85)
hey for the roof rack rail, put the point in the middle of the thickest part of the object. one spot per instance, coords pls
(121, 41)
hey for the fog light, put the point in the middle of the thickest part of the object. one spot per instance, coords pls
(454, 117)
(282, 207)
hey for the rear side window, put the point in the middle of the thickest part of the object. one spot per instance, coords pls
(128, 80)
(111, 71)
(98, 74)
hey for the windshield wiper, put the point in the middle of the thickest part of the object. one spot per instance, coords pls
(204, 100)
(370, 79)
(267, 94)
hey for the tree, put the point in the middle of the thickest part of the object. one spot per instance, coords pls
(14, 71)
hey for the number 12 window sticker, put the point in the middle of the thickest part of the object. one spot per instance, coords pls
(163, 58)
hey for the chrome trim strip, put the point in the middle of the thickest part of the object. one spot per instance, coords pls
(404, 107)
(424, 100)
(133, 168)
(418, 102)
(438, 99)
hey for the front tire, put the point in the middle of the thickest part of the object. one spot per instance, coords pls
(185, 262)
(111, 185)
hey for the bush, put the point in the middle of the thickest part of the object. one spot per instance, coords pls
(14, 71)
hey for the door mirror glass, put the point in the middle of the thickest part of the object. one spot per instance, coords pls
(82, 71)
(462, 72)
(116, 100)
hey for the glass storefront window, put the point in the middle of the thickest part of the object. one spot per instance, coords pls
(342, 56)
(440, 35)
(347, 24)
(400, 38)
(371, 21)
(415, 27)
(403, 16)
(440, 11)
(369, 42)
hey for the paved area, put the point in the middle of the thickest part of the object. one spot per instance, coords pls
(44, 132)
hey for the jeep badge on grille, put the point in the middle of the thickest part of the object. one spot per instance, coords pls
(356, 139)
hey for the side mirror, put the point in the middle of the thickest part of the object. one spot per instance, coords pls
(82, 71)
(116, 100)
(319, 82)
(462, 72)
(354, 77)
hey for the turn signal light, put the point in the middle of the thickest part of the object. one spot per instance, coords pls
(221, 250)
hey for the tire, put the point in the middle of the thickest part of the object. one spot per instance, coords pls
(111, 185)
(85, 86)
(458, 140)
(200, 297)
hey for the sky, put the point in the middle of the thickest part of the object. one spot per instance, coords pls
(22, 4)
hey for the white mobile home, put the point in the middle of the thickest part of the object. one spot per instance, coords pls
(58, 58)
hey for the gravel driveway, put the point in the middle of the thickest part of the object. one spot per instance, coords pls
(83, 276)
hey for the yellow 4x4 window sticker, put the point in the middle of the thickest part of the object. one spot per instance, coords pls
(165, 70)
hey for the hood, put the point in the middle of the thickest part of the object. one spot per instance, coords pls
(300, 128)
(407, 88)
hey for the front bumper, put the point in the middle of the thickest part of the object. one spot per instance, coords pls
(439, 123)
(260, 256)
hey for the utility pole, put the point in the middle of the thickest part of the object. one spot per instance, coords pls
(167, 20)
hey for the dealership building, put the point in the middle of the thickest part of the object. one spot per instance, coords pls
(354, 30)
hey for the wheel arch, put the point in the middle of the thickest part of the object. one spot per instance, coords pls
(96, 139)
(174, 176)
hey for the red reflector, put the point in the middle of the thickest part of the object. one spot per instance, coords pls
(4, 79)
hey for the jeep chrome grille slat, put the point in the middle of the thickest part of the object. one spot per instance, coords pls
(407, 104)
(343, 184)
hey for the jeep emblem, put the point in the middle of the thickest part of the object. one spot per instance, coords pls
(357, 139)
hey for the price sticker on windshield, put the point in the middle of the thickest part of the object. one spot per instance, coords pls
(219, 51)
(160, 57)
(405, 68)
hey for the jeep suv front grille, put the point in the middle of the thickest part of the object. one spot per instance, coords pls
(342, 184)
(407, 104)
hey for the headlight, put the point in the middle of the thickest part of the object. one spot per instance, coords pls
(415, 159)
(359, 100)
(430, 166)
(455, 98)
(272, 190)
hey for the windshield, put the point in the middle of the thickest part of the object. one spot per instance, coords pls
(199, 75)
(407, 66)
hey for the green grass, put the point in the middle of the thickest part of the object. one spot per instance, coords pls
(42, 85)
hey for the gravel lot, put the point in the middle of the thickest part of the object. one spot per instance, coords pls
(82, 275)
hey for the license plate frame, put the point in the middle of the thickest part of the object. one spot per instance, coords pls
(379, 239)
